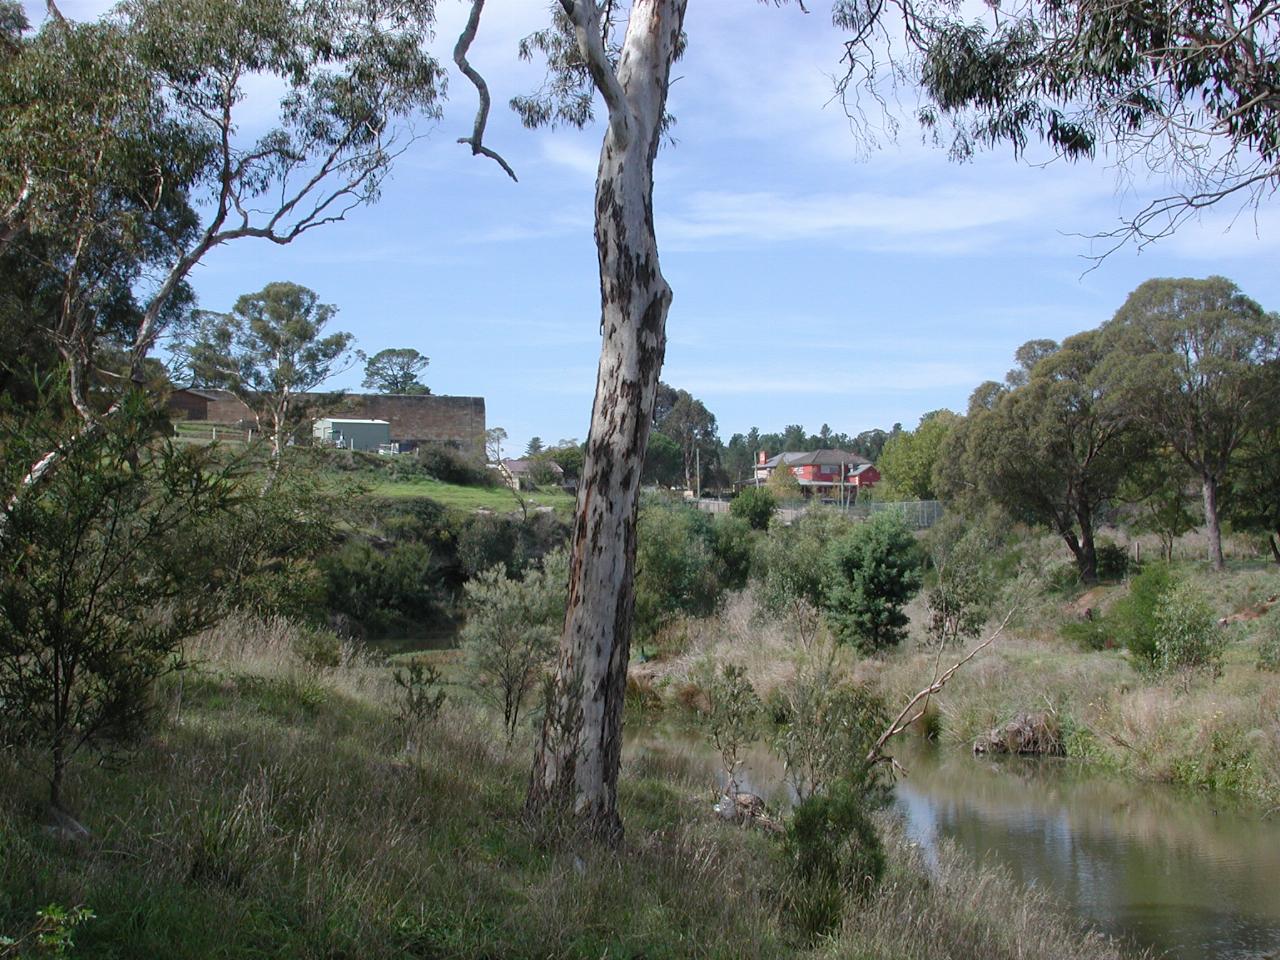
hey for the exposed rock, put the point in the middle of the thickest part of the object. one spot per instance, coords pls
(1026, 733)
(747, 809)
(65, 827)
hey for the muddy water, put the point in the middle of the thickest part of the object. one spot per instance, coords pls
(1188, 877)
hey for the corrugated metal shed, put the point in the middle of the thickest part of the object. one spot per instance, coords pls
(352, 434)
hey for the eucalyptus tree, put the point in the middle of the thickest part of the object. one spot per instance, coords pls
(271, 351)
(396, 370)
(129, 133)
(1053, 451)
(1192, 360)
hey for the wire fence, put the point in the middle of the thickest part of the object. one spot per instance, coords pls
(919, 514)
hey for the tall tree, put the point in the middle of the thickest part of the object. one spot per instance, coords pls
(1053, 451)
(1189, 360)
(108, 125)
(576, 766)
(270, 351)
(396, 370)
(907, 461)
(692, 426)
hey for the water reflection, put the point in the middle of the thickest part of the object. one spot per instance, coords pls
(1188, 877)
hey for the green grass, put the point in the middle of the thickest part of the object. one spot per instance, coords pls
(283, 812)
(498, 499)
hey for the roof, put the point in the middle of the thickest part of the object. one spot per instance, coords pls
(204, 394)
(525, 465)
(817, 457)
(350, 420)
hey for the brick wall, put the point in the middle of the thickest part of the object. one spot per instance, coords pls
(458, 420)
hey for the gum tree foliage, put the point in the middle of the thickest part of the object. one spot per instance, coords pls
(397, 370)
(1190, 359)
(1251, 500)
(963, 585)
(1187, 90)
(1161, 491)
(756, 505)
(685, 420)
(270, 351)
(108, 567)
(116, 131)
(1052, 451)
(906, 463)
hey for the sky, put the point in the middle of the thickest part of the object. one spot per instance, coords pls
(815, 280)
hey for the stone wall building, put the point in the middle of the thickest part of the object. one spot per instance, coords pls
(414, 419)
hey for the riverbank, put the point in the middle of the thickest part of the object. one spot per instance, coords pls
(283, 809)
(1219, 734)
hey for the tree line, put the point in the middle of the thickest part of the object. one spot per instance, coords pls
(1172, 404)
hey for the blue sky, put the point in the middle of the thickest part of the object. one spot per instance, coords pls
(816, 281)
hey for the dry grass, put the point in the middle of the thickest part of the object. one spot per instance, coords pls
(285, 813)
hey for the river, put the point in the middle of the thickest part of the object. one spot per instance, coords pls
(1189, 877)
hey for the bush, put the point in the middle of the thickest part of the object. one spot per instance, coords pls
(1113, 561)
(451, 465)
(1133, 620)
(733, 543)
(676, 569)
(755, 505)
(833, 854)
(486, 540)
(511, 631)
(385, 590)
(732, 720)
(1268, 632)
(1189, 637)
(964, 581)
(872, 573)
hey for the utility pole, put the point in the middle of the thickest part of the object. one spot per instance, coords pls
(697, 482)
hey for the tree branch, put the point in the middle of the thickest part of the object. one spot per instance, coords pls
(585, 17)
(901, 721)
(476, 140)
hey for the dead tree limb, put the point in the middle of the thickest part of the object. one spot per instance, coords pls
(920, 702)
(476, 140)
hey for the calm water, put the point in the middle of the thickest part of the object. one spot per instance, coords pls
(1189, 878)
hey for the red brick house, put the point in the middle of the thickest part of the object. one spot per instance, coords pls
(827, 474)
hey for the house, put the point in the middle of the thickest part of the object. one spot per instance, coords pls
(519, 474)
(827, 474)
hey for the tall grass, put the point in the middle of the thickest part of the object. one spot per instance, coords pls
(283, 812)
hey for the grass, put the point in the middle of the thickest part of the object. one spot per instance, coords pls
(498, 499)
(282, 811)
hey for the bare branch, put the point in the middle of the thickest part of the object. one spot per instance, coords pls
(902, 721)
(585, 16)
(476, 140)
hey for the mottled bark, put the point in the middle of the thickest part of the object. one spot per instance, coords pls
(575, 771)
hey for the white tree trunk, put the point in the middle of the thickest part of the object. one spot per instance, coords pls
(575, 770)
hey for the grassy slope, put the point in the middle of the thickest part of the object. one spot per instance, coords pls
(284, 813)
(458, 497)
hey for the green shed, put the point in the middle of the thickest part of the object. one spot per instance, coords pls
(352, 434)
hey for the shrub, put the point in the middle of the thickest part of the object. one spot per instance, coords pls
(1132, 619)
(676, 570)
(1113, 561)
(788, 570)
(511, 631)
(385, 590)
(451, 465)
(872, 573)
(419, 695)
(732, 543)
(833, 854)
(755, 505)
(1268, 632)
(1189, 637)
(964, 582)
(732, 719)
